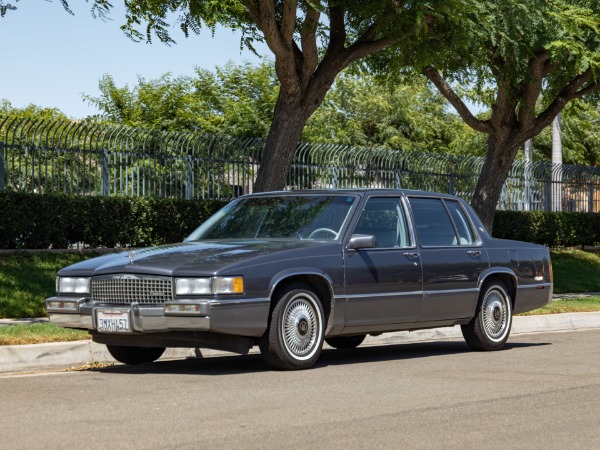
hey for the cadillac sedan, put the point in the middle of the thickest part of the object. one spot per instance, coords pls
(289, 270)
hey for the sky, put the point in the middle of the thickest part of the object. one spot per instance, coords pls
(49, 57)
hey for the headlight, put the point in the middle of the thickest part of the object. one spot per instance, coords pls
(208, 286)
(69, 285)
(192, 286)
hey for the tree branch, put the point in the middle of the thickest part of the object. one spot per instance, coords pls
(288, 21)
(436, 78)
(270, 28)
(571, 91)
(500, 105)
(253, 9)
(588, 89)
(308, 39)
(537, 69)
(337, 29)
(279, 39)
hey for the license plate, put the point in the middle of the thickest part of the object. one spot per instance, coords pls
(113, 321)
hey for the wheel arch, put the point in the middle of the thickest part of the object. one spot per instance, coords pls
(319, 281)
(504, 275)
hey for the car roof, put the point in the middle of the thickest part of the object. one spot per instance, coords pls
(354, 191)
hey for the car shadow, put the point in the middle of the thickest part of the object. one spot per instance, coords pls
(253, 363)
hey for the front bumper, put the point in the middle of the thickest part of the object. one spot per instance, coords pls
(241, 317)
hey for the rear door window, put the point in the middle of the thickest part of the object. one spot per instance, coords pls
(463, 227)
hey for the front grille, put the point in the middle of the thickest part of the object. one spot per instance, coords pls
(126, 288)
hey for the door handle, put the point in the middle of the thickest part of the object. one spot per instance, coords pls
(411, 254)
(474, 253)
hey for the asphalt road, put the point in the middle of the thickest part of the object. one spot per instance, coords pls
(542, 391)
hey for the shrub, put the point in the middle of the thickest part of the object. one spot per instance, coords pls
(554, 229)
(32, 221)
(35, 221)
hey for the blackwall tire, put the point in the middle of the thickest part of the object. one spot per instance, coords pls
(490, 328)
(346, 342)
(294, 339)
(135, 355)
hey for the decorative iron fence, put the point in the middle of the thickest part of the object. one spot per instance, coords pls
(87, 158)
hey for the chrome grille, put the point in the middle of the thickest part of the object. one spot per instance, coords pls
(126, 288)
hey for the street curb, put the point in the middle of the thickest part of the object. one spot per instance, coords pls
(62, 355)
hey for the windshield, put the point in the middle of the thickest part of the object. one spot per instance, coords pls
(319, 217)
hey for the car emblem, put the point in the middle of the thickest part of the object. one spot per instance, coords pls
(131, 256)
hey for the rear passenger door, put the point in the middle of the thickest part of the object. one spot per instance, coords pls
(451, 256)
(383, 284)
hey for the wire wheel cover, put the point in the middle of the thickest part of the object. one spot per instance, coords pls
(495, 312)
(301, 327)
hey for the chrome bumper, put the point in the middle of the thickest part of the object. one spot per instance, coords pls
(242, 317)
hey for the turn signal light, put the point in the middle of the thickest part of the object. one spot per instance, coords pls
(182, 309)
(62, 306)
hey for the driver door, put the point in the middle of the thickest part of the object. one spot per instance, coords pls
(383, 284)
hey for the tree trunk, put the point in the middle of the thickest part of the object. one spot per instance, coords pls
(289, 119)
(498, 162)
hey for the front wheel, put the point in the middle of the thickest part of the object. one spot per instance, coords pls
(490, 327)
(294, 338)
(135, 355)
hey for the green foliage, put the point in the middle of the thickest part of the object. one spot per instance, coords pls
(238, 100)
(31, 112)
(233, 100)
(361, 110)
(31, 221)
(554, 229)
(516, 30)
(580, 135)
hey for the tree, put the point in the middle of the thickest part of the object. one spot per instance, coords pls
(235, 100)
(31, 112)
(526, 59)
(238, 100)
(361, 110)
(580, 135)
(312, 42)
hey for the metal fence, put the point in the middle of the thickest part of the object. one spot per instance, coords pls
(87, 158)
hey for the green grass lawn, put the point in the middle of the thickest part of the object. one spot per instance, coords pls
(587, 304)
(576, 271)
(26, 279)
(38, 333)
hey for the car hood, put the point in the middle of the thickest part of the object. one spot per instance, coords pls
(195, 258)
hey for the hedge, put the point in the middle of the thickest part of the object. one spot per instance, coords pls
(554, 229)
(32, 221)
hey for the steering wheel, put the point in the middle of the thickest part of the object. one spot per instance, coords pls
(326, 230)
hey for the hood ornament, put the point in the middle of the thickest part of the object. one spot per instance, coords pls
(131, 256)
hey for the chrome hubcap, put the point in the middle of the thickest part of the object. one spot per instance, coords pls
(495, 311)
(300, 327)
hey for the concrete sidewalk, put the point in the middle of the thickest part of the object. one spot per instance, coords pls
(57, 356)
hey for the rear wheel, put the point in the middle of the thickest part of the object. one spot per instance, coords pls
(342, 342)
(135, 355)
(490, 327)
(294, 338)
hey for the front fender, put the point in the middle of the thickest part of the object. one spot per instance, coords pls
(287, 274)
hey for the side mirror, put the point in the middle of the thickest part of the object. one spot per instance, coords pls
(358, 241)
